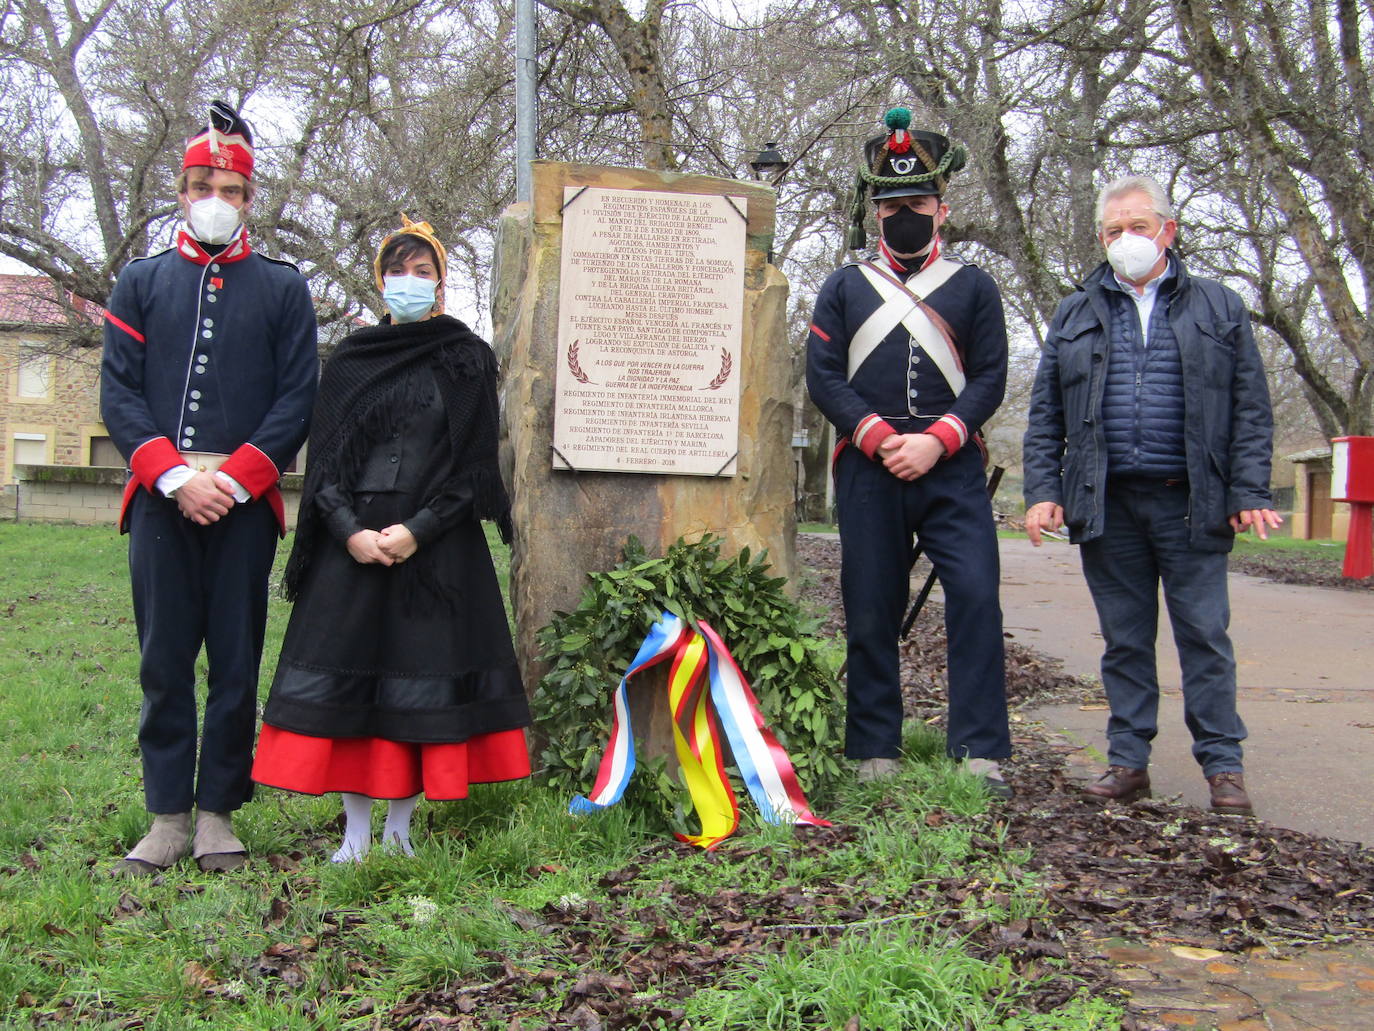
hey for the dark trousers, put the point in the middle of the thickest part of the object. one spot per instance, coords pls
(192, 585)
(948, 510)
(1144, 544)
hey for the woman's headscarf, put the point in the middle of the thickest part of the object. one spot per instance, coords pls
(421, 230)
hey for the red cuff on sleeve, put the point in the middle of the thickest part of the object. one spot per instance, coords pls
(871, 431)
(151, 459)
(252, 469)
(945, 435)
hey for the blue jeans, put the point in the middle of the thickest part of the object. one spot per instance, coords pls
(1144, 544)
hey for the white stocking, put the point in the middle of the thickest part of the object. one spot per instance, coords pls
(397, 831)
(357, 838)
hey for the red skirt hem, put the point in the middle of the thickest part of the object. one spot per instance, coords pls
(379, 768)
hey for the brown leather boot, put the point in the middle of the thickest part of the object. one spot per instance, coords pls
(1228, 794)
(1119, 784)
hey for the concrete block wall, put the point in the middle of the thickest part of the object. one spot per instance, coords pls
(91, 496)
(51, 501)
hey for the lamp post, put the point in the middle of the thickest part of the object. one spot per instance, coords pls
(526, 82)
(769, 162)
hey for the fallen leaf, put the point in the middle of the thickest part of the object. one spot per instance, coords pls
(277, 913)
(199, 977)
(1191, 952)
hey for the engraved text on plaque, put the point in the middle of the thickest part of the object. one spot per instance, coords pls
(649, 328)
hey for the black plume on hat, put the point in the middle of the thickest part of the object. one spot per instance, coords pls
(229, 122)
(902, 163)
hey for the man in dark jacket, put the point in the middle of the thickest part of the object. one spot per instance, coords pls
(206, 386)
(1150, 436)
(907, 357)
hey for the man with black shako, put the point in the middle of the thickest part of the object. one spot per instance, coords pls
(907, 357)
(207, 385)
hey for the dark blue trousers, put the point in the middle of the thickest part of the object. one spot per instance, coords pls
(195, 585)
(1145, 543)
(948, 510)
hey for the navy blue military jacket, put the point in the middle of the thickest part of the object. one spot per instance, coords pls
(209, 354)
(898, 387)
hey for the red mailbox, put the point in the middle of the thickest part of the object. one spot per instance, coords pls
(1352, 481)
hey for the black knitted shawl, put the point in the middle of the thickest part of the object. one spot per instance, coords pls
(367, 392)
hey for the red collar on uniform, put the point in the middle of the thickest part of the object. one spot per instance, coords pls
(194, 251)
(896, 262)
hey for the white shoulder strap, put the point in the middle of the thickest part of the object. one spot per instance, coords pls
(901, 303)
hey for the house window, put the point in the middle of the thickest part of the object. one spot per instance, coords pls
(35, 373)
(29, 449)
(103, 452)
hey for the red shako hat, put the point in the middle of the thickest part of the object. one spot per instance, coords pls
(226, 142)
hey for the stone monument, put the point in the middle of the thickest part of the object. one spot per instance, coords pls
(646, 375)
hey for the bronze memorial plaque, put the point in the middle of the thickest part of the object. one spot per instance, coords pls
(650, 317)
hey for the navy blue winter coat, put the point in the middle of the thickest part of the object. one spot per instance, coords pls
(1228, 424)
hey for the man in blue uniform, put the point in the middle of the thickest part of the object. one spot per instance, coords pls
(907, 357)
(207, 384)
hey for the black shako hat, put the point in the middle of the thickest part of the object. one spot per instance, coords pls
(902, 163)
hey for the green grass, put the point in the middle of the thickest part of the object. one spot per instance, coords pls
(898, 975)
(1280, 541)
(294, 941)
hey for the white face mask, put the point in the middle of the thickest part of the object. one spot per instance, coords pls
(1133, 255)
(212, 220)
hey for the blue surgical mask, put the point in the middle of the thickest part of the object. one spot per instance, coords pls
(409, 298)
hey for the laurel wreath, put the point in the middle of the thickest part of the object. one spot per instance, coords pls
(573, 366)
(726, 364)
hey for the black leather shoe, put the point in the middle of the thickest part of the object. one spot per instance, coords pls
(1119, 784)
(1228, 794)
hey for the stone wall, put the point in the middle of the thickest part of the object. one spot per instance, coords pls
(567, 523)
(68, 416)
(92, 496)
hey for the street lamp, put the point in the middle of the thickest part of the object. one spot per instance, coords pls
(769, 162)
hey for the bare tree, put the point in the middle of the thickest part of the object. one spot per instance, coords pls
(637, 47)
(363, 110)
(1291, 82)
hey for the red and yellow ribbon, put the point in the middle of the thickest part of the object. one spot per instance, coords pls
(699, 706)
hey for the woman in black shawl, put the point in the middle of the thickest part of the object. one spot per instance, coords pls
(397, 674)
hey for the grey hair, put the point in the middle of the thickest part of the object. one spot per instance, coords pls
(1159, 200)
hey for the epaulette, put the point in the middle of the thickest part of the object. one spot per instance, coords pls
(280, 261)
(155, 254)
(958, 258)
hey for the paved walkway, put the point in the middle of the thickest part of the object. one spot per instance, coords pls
(1305, 673)
(1320, 989)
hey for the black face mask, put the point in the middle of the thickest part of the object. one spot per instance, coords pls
(907, 231)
